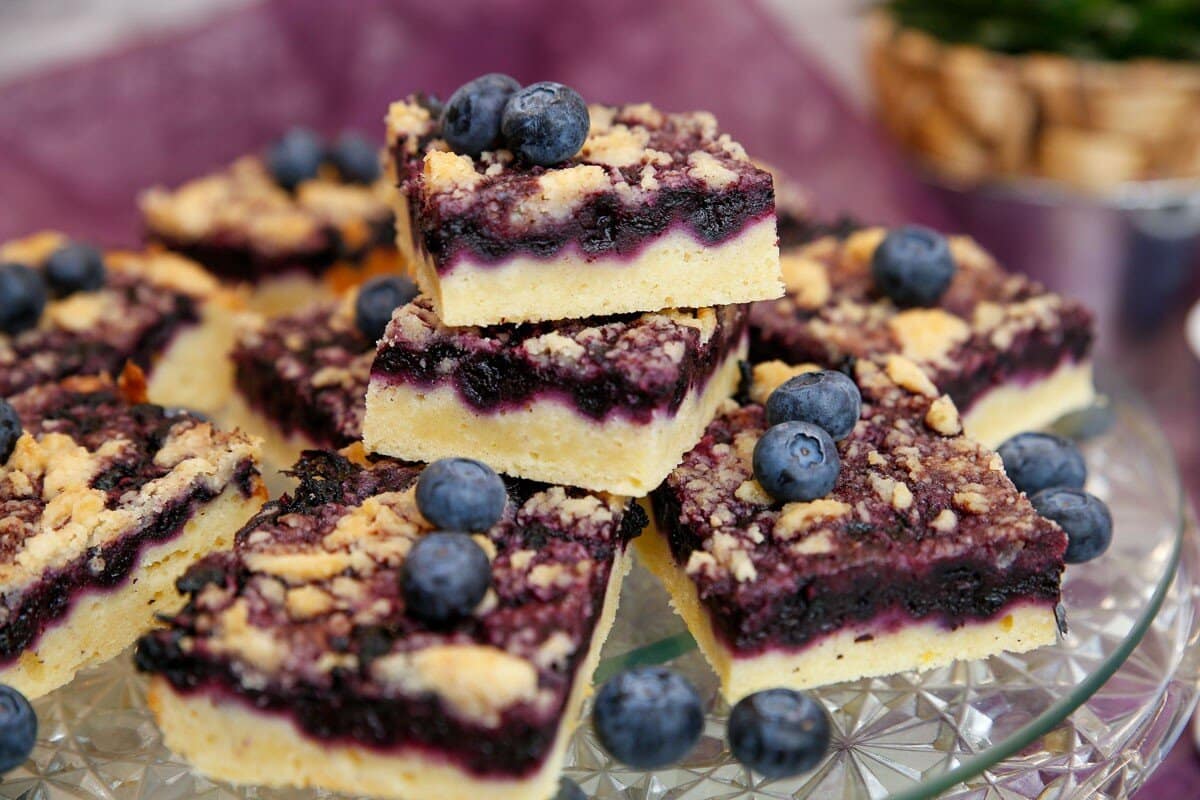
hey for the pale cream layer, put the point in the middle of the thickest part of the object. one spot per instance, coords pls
(195, 371)
(101, 624)
(840, 657)
(1016, 407)
(545, 440)
(226, 740)
(672, 271)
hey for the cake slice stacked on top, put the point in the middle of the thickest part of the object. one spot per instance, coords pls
(68, 309)
(106, 502)
(297, 225)
(609, 403)
(1012, 355)
(916, 552)
(649, 210)
(570, 259)
(345, 643)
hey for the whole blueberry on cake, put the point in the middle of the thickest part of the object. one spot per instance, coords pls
(525, 204)
(107, 501)
(353, 646)
(921, 551)
(608, 403)
(305, 219)
(1011, 355)
(67, 309)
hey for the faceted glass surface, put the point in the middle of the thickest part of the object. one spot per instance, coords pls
(1088, 717)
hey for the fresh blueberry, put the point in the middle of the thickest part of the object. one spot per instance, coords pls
(778, 733)
(545, 123)
(356, 159)
(1036, 461)
(828, 399)
(569, 790)
(444, 577)
(377, 299)
(75, 268)
(648, 717)
(461, 494)
(471, 117)
(295, 158)
(10, 430)
(18, 729)
(796, 462)
(1084, 517)
(913, 266)
(22, 298)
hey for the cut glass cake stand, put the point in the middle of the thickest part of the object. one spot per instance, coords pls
(1089, 717)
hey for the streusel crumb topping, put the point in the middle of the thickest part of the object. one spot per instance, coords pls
(243, 206)
(89, 469)
(907, 480)
(146, 298)
(631, 152)
(311, 594)
(650, 349)
(833, 313)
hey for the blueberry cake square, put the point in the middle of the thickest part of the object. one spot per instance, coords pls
(655, 210)
(922, 553)
(105, 504)
(300, 380)
(293, 227)
(609, 403)
(68, 309)
(301, 659)
(1012, 355)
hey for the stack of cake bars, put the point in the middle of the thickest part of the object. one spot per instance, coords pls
(577, 329)
(579, 324)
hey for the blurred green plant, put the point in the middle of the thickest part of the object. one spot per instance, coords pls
(1097, 29)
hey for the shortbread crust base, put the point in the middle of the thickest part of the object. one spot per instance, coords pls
(195, 371)
(101, 624)
(226, 740)
(546, 440)
(838, 657)
(1013, 408)
(672, 271)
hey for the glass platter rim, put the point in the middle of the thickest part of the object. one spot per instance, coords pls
(1115, 392)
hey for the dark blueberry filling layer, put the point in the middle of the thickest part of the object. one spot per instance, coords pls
(953, 592)
(329, 416)
(40, 606)
(602, 226)
(502, 379)
(43, 356)
(235, 262)
(348, 707)
(978, 367)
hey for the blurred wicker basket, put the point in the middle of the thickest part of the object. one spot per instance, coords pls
(972, 115)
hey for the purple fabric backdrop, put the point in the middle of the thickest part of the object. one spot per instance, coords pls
(78, 143)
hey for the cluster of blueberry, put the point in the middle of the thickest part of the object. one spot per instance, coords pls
(1050, 470)
(796, 460)
(446, 574)
(650, 717)
(543, 123)
(74, 267)
(300, 153)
